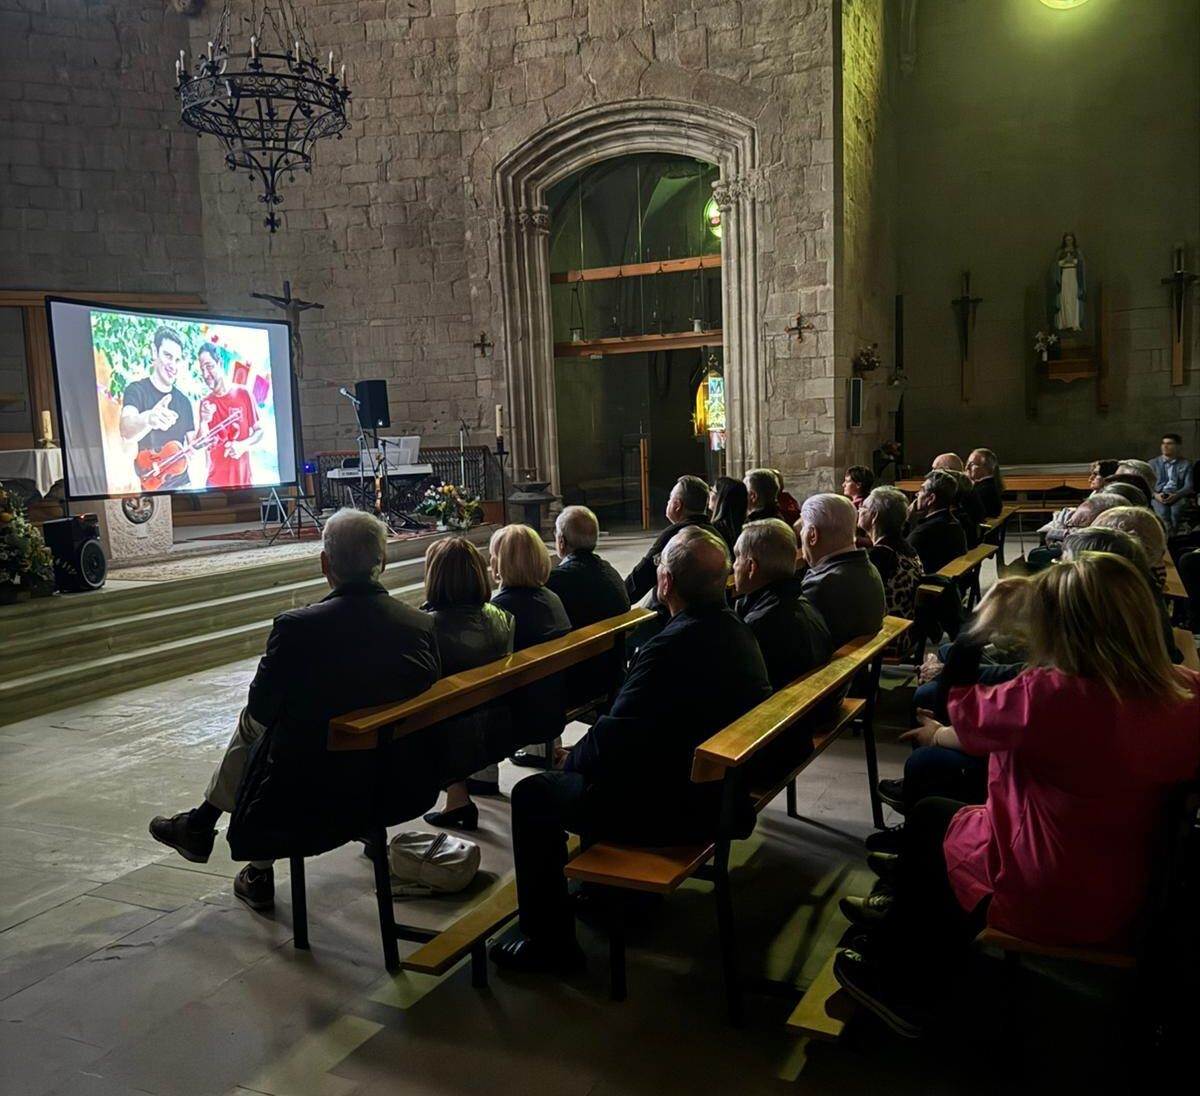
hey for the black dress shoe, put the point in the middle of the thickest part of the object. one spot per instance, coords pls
(891, 840)
(176, 833)
(465, 817)
(529, 760)
(886, 865)
(892, 793)
(532, 957)
(867, 984)
(482, 787)
(256, 888)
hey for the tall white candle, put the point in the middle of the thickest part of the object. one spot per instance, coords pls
(253, 48)
(331, 62)
(499, 423)
(47, 432)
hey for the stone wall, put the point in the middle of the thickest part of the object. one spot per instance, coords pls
(98, 182)
(397, 230)
(866, 256)
(1019, 123)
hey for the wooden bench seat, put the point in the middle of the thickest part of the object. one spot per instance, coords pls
(376, 728)
(1014, 945)
(995, 530)
(825, 1008)
(726, 758)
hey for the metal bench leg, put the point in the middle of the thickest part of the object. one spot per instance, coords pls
(299, 904)
(868, 729)
(724, 897)
(791, 799)
(383, 899)
(617, 988)
(479, 969)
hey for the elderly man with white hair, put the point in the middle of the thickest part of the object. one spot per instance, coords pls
(629, 778)
(356, 648)
(791, 634)
(841, 581)
(588, 586)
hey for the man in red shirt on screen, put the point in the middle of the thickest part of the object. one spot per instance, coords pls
(229, 453)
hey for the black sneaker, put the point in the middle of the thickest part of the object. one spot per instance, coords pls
(866, 984)
(527, 760)
(891, 840)
(533, 957)
(886, 865)
(256, 888)
(873, 908)
(892, 793)
(176, 833)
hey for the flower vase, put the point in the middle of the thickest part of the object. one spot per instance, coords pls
(11, 593)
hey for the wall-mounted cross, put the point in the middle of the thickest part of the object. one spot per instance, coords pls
(483, 345)
(964, 307)
(799, 327)
(292, 307)
(1179, 281)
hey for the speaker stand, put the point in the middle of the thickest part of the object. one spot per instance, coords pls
(299, 508)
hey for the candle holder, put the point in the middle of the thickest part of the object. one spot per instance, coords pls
(500, 455)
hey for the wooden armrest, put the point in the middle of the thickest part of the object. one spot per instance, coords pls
(967, 563)
(994, 938)
(743, 738)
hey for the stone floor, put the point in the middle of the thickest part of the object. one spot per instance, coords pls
(126, 970)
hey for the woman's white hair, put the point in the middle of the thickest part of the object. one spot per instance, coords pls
(355, 544)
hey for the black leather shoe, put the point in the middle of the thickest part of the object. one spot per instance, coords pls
(892, 793)
(884, 864)
(461, 818)
(255, 888)
(531, 957)
(866, 984)
(529, 760)
(886, 840)
(482, 787)
(176, 833)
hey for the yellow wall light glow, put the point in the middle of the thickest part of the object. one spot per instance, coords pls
(1063, 4)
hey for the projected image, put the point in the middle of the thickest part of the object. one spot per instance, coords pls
(184, 404)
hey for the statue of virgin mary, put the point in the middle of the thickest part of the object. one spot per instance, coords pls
(1068, 281)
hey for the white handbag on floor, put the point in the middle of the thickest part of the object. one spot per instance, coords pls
(430, 863)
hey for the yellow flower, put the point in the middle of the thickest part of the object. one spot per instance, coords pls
(6, 517)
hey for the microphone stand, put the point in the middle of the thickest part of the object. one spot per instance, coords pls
(463, 431)
(500, 454)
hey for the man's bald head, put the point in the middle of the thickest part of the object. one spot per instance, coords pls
(827, 524)
(948, 462)
(693, 570)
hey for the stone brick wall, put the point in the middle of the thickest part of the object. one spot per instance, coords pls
(98, 182)
(397, 233)
(866, 255)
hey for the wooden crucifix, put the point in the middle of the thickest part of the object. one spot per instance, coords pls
(799, 327)
(1179, 281)
(292, 307)
(964, 307)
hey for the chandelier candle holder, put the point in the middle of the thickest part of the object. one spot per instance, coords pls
(269, 105)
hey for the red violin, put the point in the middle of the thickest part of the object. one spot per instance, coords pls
(156, 466)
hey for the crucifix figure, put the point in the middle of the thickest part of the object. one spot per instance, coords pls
(799, 327)
(1179, 281)
(483, 345)
(964, 307)
(292, 307)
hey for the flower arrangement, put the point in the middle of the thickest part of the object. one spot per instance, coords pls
(25, 561)
(1042, 343)
(449, 505)
(867, 359)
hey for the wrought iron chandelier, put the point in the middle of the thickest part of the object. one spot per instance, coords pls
(267, 106)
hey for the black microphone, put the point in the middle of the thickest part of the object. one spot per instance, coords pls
(350, 396)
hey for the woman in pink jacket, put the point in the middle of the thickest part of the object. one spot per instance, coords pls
(1084, 747)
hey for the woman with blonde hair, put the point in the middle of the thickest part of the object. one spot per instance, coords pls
(1084, 748)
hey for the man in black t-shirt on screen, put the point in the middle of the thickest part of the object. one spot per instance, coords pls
(156, 412)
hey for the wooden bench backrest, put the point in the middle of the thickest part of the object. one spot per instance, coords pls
(1174, 587)
(743, 738)
(458, 693)
(967, 563)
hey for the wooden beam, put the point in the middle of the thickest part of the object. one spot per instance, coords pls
(31, 298)
(637, 270)
(639, 344)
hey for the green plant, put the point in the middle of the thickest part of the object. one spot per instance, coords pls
(447, 503)
(24, 558)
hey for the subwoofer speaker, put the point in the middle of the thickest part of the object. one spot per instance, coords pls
(372, 404)
(79, 560)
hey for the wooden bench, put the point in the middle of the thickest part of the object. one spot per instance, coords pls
(1014, 947)
(996, 529)
(376, 728)
(964, 573)
(726, 758)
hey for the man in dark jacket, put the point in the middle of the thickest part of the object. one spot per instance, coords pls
(841, 581)
(791, 633)
(686, 505)
(629, 778)
(934, 533)
(358, 647)
(762, 494)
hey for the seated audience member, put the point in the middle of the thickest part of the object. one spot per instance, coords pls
(1099, 472)
(520, 567)
(762, 494)
(686, 505)
(1146, 529)
(590, 589)
(791, 634)
(1131, 486)
(629, 778)
(588, 586)
(789, 508)
(933, 531)
(884, 462)
(840, 581)
(1189, 575)
(967, 509)
(1142, 469)
(727, 503)
(1061, 851)
(983, 466)
(1081, 517)
(470, 632)
(857, 483)
(882, 516)
(1174, 480)
(947, 462)
(356, 648)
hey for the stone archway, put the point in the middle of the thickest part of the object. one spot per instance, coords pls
(574, 143)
